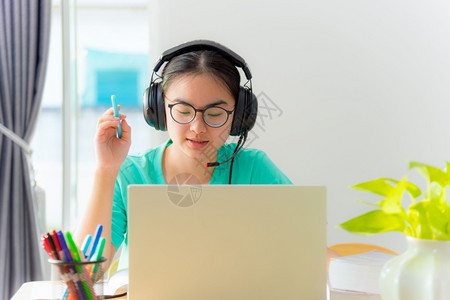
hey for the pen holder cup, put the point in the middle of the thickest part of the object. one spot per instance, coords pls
(78, 280)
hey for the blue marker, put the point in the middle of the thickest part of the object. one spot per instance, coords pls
(85, 246)
(97, 235)
(116, 114)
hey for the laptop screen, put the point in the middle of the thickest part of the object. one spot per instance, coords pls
(227, 242)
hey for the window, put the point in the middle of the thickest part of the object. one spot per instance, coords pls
(122, 74)
(112, 58)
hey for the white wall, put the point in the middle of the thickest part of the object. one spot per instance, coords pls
(363, 85)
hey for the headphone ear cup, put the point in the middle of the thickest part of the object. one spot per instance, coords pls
(153, 107)
(245, 112)
(146, 107)
(160, 107)
(238, 114)
(252, 110)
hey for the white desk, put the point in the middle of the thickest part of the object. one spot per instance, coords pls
(335, 295)
(35, 290)
(42, 289)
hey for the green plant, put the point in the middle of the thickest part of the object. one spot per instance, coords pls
(426, 218)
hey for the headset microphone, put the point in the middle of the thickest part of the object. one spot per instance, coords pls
(216, 163)
(239, 145)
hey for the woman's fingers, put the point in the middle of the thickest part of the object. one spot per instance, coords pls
(105, 124)
(110, 112)
(109, 118)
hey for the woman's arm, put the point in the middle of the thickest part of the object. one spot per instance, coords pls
(110, 154)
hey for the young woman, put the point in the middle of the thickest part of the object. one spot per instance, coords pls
(200, 102)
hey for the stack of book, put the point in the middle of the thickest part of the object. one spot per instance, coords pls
(358, 273)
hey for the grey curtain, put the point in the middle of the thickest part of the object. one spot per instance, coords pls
(24, 43)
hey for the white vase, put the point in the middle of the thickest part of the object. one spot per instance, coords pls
(421, 273)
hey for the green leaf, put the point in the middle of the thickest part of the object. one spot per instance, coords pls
(376, 221)
(392, 203)
(419, 221)
(448, 170)
(448, 229)
(431, 173)
(438, 212)
(435, 190)
(437, 196)
(412, 189)
(378, 186)
(438, 221)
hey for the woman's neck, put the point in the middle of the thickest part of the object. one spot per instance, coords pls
(176, 166)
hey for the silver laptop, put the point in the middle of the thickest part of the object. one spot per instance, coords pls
(227, 242)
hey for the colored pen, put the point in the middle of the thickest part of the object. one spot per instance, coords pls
(85, 245)
(97, 235)
(57, 245)
(82, 287)
(81, 269)
(46, 244)
(98, 255)
(116, 114)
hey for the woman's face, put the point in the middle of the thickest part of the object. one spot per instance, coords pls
(196, 139)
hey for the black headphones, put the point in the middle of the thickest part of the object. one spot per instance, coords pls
(246, 108)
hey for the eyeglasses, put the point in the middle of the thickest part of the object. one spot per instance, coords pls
(213, 116)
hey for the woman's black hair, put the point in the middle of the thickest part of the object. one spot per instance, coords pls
(202, 62)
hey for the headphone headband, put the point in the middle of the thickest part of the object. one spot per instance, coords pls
(198, 45)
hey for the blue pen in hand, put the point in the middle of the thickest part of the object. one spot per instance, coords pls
(116, 114)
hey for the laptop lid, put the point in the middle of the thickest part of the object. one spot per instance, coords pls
(227, 242)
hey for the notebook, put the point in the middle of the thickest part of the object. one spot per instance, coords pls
(227, 242)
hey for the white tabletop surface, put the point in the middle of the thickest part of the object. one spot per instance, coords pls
(40, 290)
(338, 295)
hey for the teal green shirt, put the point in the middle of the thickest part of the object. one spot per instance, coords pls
(250, 166)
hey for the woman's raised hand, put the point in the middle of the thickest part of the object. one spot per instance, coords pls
(110, 150)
